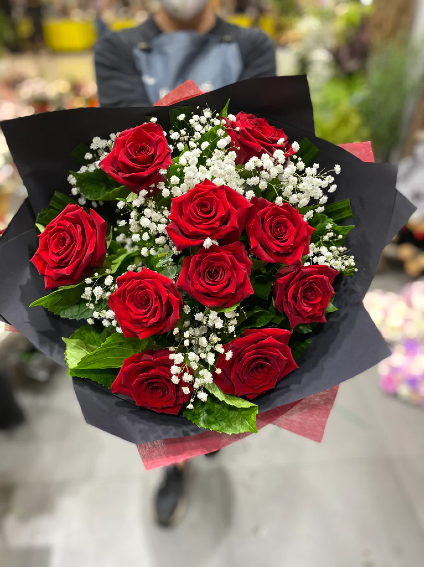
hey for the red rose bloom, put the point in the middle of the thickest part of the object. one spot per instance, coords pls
(146, 379)
(304, 292)
(70, 246)
(260, 359)
(255, 136)
(219, 213)
(277, 234)
(146, 303)
(217, 277)
(137, 156)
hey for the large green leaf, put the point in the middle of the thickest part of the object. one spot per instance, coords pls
(227, 398)
(308, 152)
(105, 376)
(341, 210)
(66, 302)
(82, 342)
(57, 205)
(111, 353)
(98, 186)
(219, 416)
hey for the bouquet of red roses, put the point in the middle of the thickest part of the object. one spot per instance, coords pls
(205, 263)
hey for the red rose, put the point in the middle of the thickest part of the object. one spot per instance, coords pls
(146, 303)
(217, 277)
(255, 136)
(70, 246)
(146, 379)
(277, 234)
(304, 292)
(260, 359)
(137, 156)
(219, 213)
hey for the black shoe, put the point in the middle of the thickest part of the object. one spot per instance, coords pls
(170, 502)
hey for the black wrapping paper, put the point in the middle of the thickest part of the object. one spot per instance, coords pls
(346, 346)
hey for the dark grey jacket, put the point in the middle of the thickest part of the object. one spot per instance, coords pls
(119, 81)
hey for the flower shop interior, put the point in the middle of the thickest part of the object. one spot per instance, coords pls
(71, 494)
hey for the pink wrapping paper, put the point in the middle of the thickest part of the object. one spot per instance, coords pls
(307, 417)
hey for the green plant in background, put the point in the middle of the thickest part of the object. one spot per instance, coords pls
(336, 112)
(7, 34)
(370, 104)
(392, 77)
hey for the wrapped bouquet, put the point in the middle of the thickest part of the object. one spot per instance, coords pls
(204, 264)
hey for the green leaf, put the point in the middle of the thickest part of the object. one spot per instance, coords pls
(320, 222)
(176, 124)
(40, 227)
(84, 341)
(341, 210)
(218, 416)
(98, 186)
(168, 271)
(227, 309)
(331, 307)
(262, 289)
(111, 353)
(308, 152)
(256, 319)
(303, 329)
(298, 347)
(66, 302)
(105, 377)
(258, 265)
(122, 261)
(223, 113)
(79, 154)
(57, 205)
(227, 398)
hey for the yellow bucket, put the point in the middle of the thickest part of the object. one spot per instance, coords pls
(68, 35)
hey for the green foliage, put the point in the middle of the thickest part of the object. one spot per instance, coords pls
(105, 376)
(98, 186)
(336, 113)
(393, 75)
(341, 210)
(109, 354)
(304, 329)
(298, 347)
(308, 152)
(80, 152)
(223, 113)
(66, 302)
(57, 205)
(331, 307)
(256, 319)
(262, 288)
(223, 413)
(320, 222)
(176, 124)
(85, 340)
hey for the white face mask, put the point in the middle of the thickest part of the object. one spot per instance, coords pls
(183, 10)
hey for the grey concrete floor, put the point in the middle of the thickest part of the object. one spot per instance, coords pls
(73, 496)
